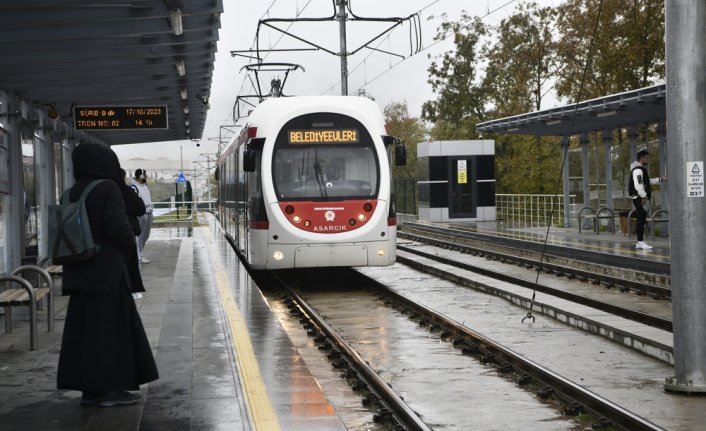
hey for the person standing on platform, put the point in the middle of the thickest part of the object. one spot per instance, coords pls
(135, 209)
(139, 183)
(189, 197)
(641, 192)
(104, 352)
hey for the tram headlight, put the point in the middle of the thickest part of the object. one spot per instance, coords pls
(278, 255)
(381, 252)
(307, 223)
(289, 209)
(367, 207)
(352, 222)
(296, 219)
(361, 217)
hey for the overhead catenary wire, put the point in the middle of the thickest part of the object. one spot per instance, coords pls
(564, 159)
(415, 39)
(442, 39)
(231, 118)
(416, 28)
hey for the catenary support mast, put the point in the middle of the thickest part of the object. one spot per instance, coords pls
(686, 149)
(344, 51)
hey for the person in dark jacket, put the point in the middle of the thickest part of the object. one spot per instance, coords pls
(135, 208)
(104, 350)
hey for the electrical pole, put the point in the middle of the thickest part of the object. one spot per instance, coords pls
(210, 157)
(342, 14)
(685, 21)
(344, 50)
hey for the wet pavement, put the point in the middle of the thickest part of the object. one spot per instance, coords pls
(649, 340)
(201, 308)
(207, 381)
(622, 375)
(449, 391)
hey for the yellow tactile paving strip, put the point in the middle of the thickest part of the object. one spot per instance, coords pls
(257, 400)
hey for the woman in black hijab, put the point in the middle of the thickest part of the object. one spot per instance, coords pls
(104, 350)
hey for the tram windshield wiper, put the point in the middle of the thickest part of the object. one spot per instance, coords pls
(319, 176)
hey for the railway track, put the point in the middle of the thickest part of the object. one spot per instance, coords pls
(621, 311)
(388, 407)
(572, 399)
(599, 269)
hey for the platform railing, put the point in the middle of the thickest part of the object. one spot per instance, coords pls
(527, 210)
(179, 214)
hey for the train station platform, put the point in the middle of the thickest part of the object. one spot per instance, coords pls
(614, 243)
(224, 360)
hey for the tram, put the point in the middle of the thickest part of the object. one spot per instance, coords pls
(307, 183)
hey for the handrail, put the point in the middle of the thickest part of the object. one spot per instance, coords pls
(655, 220)
(599, 216)
(580, 216)
(50, 284)
(33, 344)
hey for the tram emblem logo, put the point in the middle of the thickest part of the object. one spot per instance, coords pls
(330, 215)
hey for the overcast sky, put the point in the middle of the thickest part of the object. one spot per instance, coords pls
(384, 77)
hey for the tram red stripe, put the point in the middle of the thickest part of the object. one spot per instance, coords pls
(260, 225)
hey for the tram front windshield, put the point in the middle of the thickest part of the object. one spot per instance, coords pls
(325, 172)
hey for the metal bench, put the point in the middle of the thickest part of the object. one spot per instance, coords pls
(650, 222)
(55, 270)
(591, 216)
(603, 213)
(29, 296)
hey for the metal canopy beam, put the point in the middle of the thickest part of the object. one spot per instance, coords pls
(646, 105)
(52, 57)
(65, 53)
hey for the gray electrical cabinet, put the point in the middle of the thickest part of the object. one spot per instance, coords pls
(456, 180)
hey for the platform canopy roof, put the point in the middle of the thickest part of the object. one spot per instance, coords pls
(643, 106)
(59, 54)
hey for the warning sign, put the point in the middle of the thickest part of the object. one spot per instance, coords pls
(695, 179)
(181, 178)
(462, 170)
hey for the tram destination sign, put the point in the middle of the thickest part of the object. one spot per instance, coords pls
(120, 117)
(339, 136)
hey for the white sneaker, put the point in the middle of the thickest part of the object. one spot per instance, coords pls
(136, 295)
(643, 245)
(144, 260)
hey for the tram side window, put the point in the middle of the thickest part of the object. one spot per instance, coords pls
(258, 211)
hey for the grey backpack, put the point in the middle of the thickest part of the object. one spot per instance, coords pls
(70, 238)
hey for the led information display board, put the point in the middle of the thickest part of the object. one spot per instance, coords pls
(346, 136)
(120, 117)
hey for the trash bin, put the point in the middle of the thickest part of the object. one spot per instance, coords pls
(623, 217)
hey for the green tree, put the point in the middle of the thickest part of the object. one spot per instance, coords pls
(521, 61)
(521, 65)
(410, 129)
(456, 79)
(628, 51)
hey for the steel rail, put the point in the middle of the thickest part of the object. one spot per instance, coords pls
(565, 389)
(634, 315)
(400, 410)
(639, 287)
(534, 243)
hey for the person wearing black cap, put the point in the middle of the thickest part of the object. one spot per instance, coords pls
(139, 183)
(104, 352)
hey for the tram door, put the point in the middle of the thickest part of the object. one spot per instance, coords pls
(462, 185)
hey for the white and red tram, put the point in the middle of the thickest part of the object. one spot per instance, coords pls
(308, 183)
